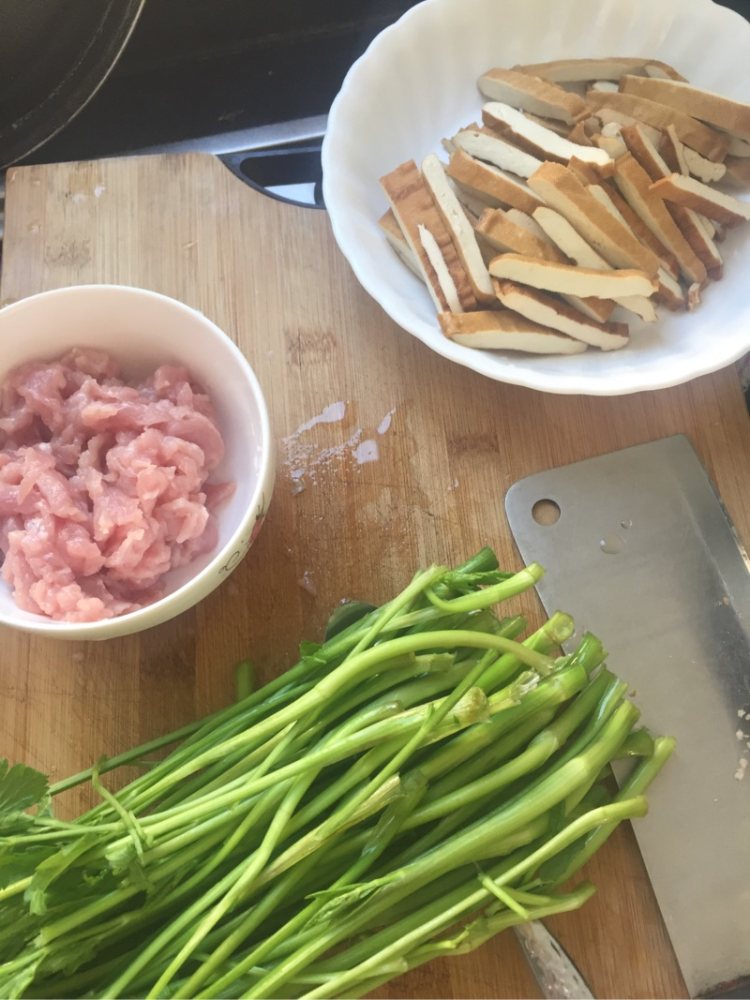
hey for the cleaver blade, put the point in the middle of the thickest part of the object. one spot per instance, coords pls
(644, 555)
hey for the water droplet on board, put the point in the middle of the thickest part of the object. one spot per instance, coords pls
(626, 524)
(611, 545)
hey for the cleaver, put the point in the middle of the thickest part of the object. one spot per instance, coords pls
(639, 549)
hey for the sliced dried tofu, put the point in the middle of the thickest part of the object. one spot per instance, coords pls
(737, 147)
(529, 94)
(612, 68)
(472, 206)
(553, 277)
(670, 293)
(413, 207)
(568, 240)
(599, 309)
(673, 149)
(497, 151)
(644, 151)
(526, 221)
(445, 278)
(536, 139)
(506, 331)
(610, 198)
(459, 227)
(551, 311)
(693, 194)
(612, 145)
(585, 173)
(579, 135)
(611, 116)
(396, 238)
(705, 170)
(570, 243)
(689, 223)
(615, 242)
(721, 112)
(552, 123)
(510, 231)
(663, 71)
(490, 184)
(694, 296)
(605, 86)
(639, 305)
(692, 132)
(635, 186)
(738, 172)
(507, 235)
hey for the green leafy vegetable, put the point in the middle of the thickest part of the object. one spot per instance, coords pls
(21, 788)
(420, 781)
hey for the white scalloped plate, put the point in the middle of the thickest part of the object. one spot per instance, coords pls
(417, 83)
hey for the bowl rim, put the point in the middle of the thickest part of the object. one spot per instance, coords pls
(183, 597)
(554, 382)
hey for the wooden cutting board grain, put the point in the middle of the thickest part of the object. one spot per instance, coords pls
(414, 471)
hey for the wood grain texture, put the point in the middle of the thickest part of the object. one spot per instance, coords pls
(271, 276)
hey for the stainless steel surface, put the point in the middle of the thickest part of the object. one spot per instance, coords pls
(643, 554)
(249, 139)
(553, 969)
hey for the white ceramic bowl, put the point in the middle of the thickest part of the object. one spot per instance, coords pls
(416, 83)
(142, 330)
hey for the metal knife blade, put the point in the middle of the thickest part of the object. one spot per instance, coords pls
(644, 555)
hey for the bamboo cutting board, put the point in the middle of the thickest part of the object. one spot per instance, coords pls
(412, 468)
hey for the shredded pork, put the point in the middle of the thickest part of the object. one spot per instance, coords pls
(103, 485)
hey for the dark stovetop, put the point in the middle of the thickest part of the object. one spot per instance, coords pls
(196, 68)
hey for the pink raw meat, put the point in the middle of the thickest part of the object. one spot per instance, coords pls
(103, 485)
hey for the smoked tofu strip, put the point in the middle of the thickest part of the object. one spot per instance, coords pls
(458, 226)
(582, 70)
(536, 139)
(701, 168)
(577, 249)
(553, 312)
(490, 184)
(692, 132)
(506, 234)
(412, 205)
(691, 193)
(615, 242)
(540, 97)
(635, 185)
(722, 112)
(395, 237)
(497, 151)
(442, 272)
(738, 172)
(552, 277)
(688, 221)
(506, 331)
